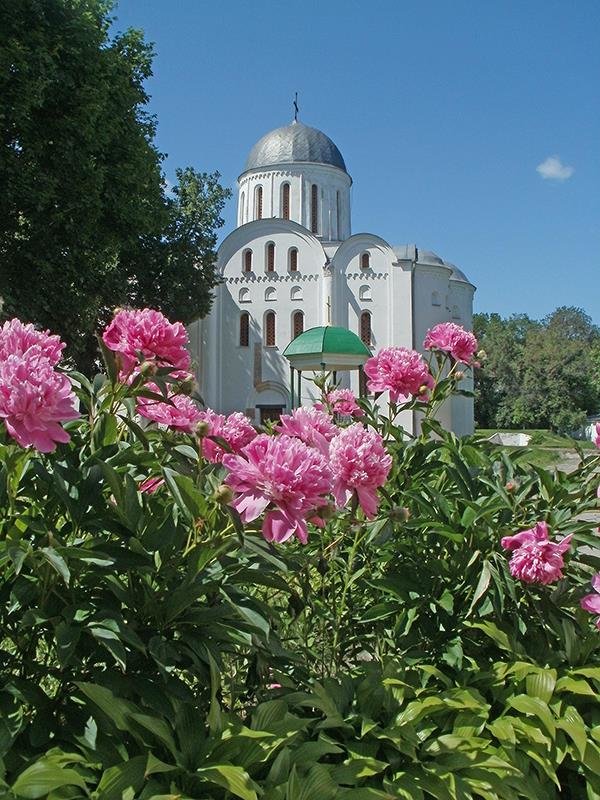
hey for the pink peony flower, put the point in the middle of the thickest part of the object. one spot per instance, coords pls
(539, 533)
(16, 339)
(536, 559)
(182, 415)
(236, 430)
(596, 434)
(401, 371)
(146, 335)
(342, 402)
(591, 602)
(453, 339)
(311, 425)
(360, 464)
(35, 400)
(282, 476)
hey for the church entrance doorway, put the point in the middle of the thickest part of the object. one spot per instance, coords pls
(270, 413)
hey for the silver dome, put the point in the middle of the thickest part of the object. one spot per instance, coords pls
(457, 274)
(294, 143)
(429, 257)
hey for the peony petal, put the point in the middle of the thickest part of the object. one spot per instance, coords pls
(278, 527)
(250, 505)
(591, 603)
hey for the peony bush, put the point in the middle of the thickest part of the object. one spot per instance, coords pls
(333, 607)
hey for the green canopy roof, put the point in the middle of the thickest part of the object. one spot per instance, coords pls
(327, 348)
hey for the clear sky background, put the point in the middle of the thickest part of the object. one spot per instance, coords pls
(471, 128)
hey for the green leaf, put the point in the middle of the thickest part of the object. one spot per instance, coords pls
(573, 725)
(117, 780)
(541, 684)
(482, 586)
(531, 705)
(57, 562)
(112, 643)
(235, 779)
(185, 493)
(581, 686)
(114, 707)
(43, 776)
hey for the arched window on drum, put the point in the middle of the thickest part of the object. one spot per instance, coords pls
(285, 201)
(258, 202)
(314, 208)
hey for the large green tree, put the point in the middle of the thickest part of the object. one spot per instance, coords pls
(85, 221)
(537, 374)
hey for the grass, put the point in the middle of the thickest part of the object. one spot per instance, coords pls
(541, 438)
(545, 448)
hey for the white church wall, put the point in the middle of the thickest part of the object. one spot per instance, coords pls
(461, 298)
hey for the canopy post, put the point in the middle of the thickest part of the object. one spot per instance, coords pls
(299, 388)
(291, 388)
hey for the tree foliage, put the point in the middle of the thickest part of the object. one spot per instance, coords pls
(85, 221)
(537, 374)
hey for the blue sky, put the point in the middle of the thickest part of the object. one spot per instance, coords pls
(443, 111)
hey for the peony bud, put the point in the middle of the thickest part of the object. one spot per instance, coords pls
(400, 514)
(202, 428)
(187, 385)
(510, 486)
(326, 512)
(148, 369)
(223, 494)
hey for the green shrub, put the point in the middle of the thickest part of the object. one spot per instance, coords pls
(153, 646)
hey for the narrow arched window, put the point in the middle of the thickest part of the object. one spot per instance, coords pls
(270, 294)
(455, 312)
(244, 296)
(270, 329)
(242, 202)
(293, 259)
(270, 257)
(258, 202)
(296, 293)
(244, 329)
(338, 216)
(365, 261)
(435, 299)
(365, 328)
(297, 323)
(248, 260)
(314, 208)
(285, 201)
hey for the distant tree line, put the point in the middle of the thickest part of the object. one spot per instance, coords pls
(86, 221)
(537, 373)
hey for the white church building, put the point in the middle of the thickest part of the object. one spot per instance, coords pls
(293, 263)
